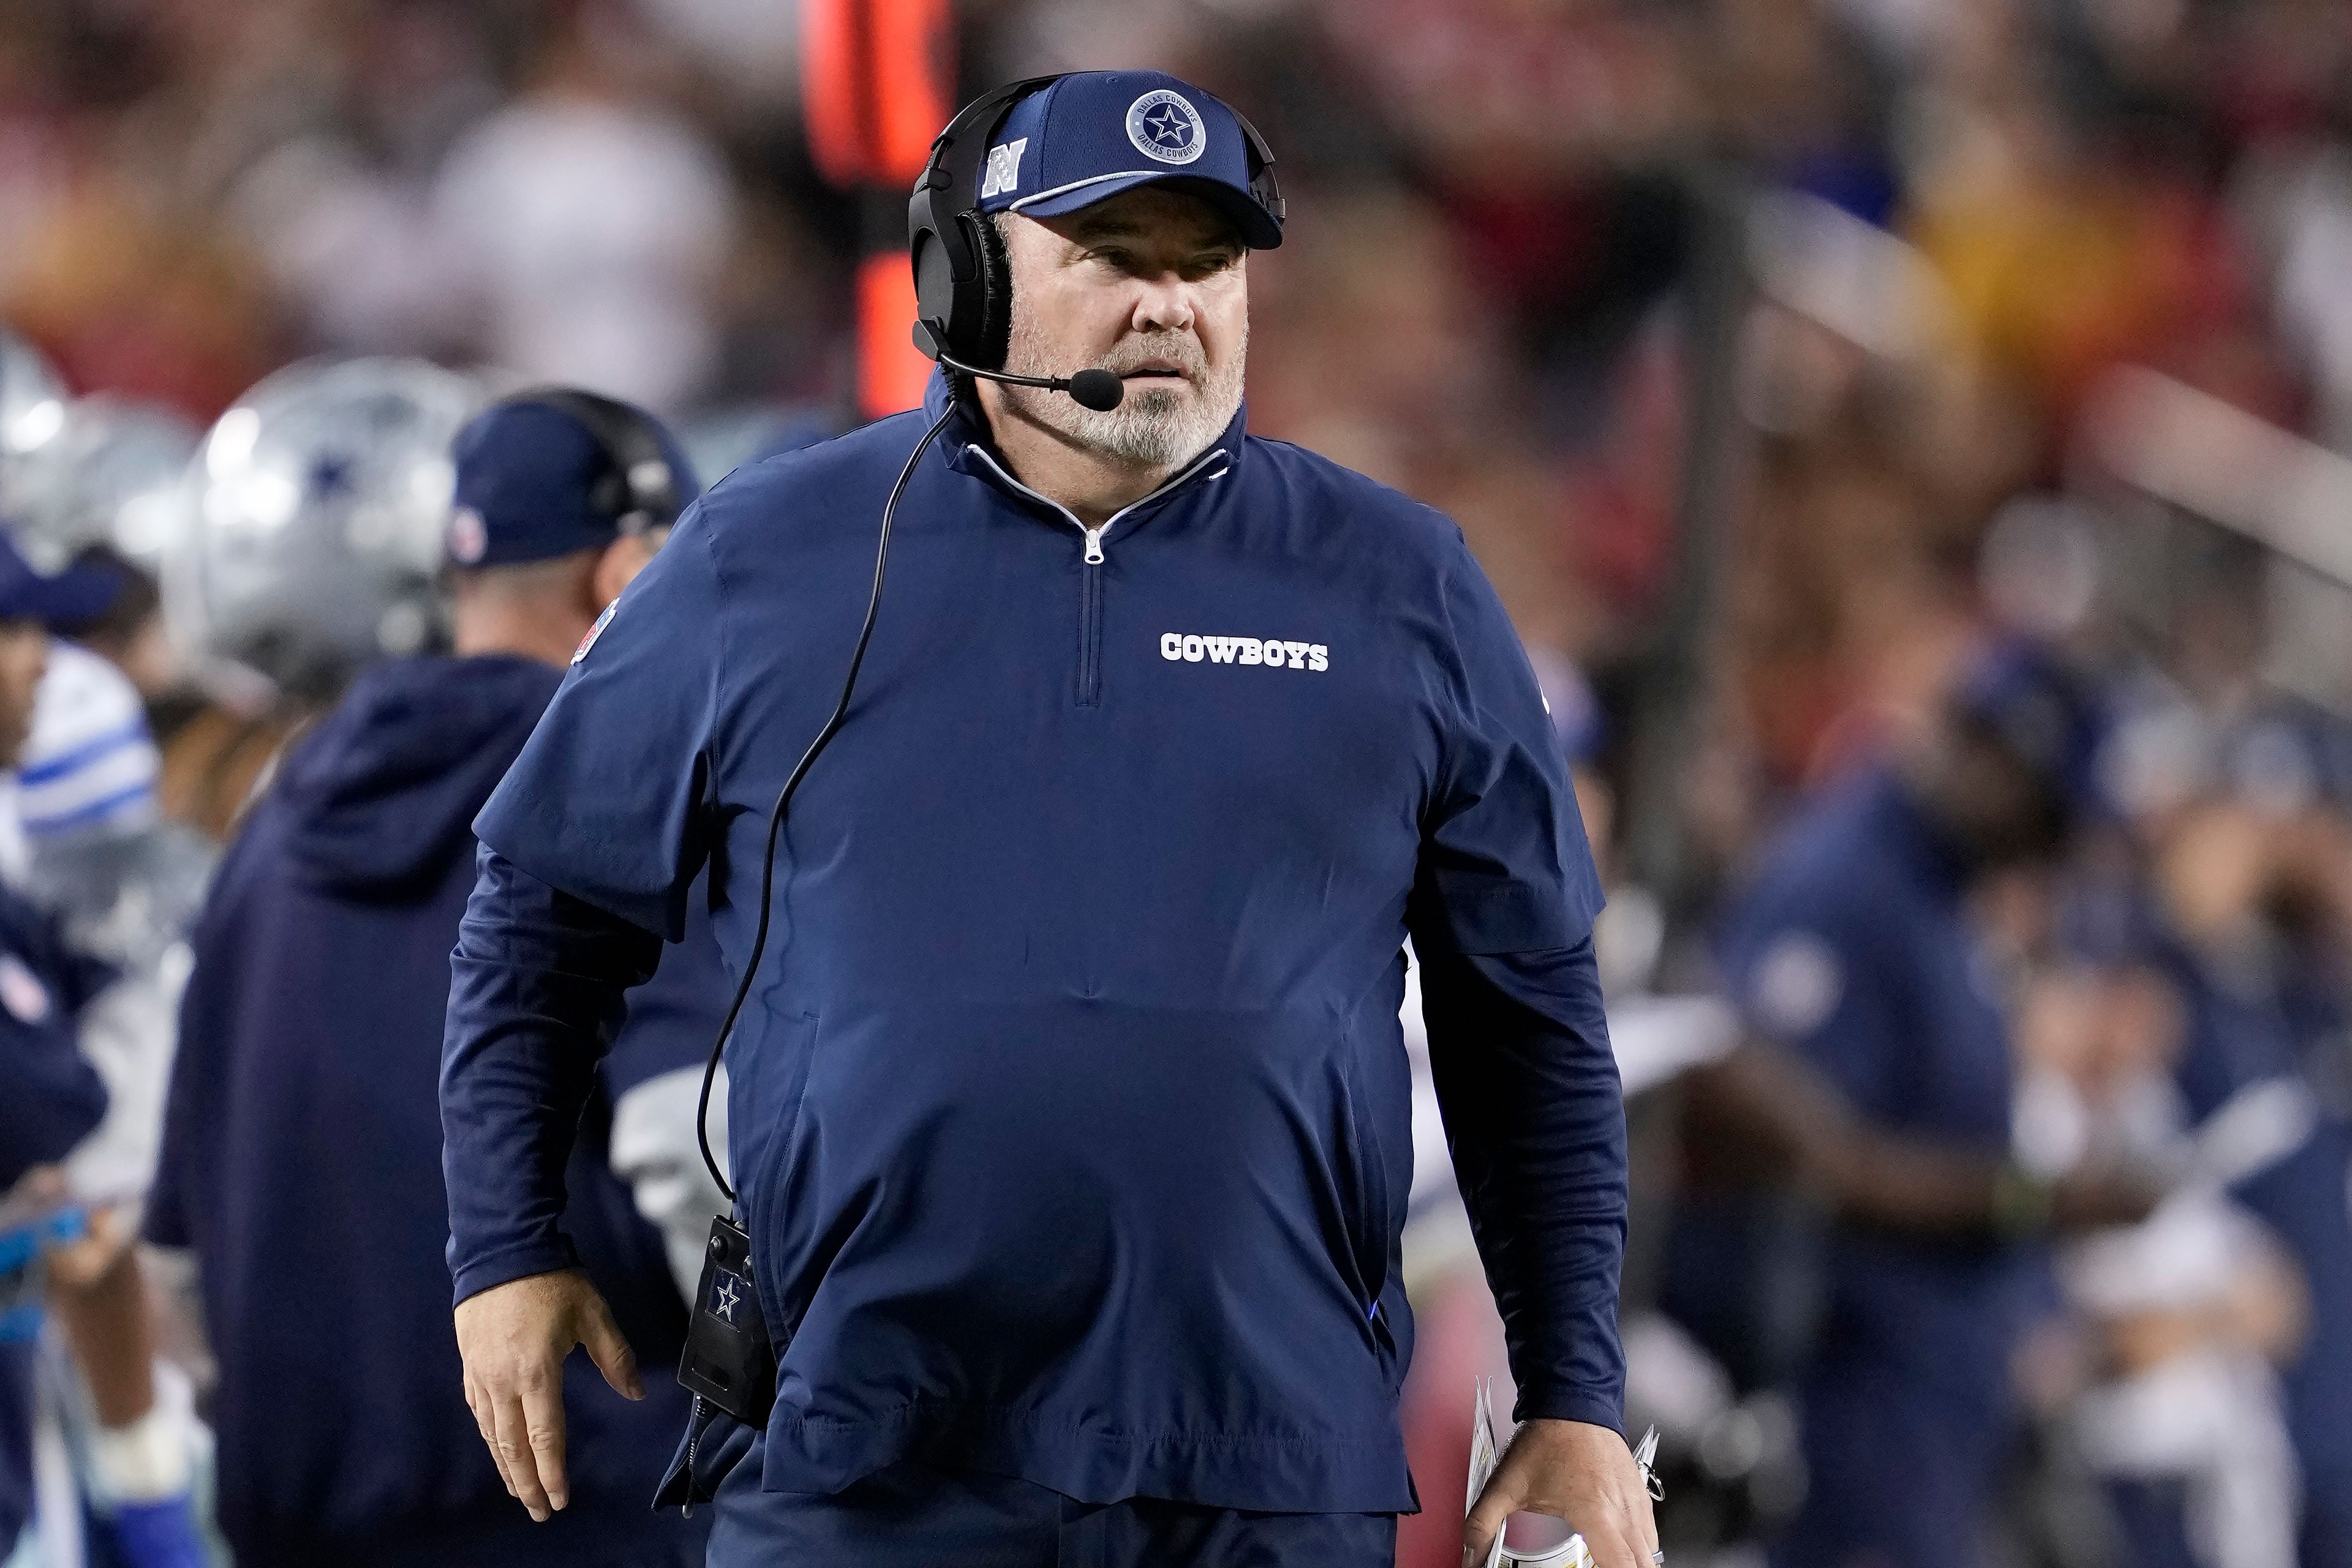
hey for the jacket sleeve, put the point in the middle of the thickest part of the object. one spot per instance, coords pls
(591, 846)
(1520, 1054)
(537, 992)
(1501, 915)
(55, 1098)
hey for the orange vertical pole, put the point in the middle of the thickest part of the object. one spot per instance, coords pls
(879, 80)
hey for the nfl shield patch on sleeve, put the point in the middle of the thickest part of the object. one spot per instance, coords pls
(594, 631)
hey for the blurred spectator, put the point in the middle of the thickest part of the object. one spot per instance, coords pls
(1877, 1082)
(591, 225)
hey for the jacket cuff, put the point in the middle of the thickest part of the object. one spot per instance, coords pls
(518, 1262)
(1595, 1406)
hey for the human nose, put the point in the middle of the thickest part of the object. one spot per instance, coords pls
(1164, 306)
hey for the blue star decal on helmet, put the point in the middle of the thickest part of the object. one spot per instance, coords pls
(330, 476)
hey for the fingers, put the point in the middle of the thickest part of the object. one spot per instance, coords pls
(510, 1440)
(542, 1409)
(477, 1401)
(1494, 1507)
(1616, 1548)
(512, 1340)
(1646, 1528)
(608, 1350)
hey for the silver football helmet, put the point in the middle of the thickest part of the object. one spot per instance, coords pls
(112, 475)
(317, 507)
(32, 411)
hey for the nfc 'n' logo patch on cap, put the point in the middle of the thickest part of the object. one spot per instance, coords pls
(1165, 126)
(1004, 173)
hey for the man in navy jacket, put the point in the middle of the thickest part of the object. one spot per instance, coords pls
(1069, 1112)
(302, 1137)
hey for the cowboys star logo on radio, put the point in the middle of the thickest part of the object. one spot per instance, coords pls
(1162, 125)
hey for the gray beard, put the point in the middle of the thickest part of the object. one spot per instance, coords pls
(1155, 427)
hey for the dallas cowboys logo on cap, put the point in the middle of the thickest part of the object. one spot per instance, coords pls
(1162, 125)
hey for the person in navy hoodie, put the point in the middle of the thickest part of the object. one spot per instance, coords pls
(1071, 1113)
(302, 1159)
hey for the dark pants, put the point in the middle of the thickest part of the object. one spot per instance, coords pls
(619, 1532)
(911, 1516)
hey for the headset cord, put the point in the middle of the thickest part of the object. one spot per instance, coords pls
(784, 801)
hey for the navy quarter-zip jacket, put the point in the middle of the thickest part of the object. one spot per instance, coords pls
(1070, 1110)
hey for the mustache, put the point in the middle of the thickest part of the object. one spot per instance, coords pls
(1180, 349)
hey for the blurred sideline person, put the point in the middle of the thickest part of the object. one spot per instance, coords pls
(2167, 1368)
(123, 886)
(1072, 1108)
(302, 1158)
(1877, 1079)
(63, 1253)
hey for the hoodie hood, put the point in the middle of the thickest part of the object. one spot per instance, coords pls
(382, 794)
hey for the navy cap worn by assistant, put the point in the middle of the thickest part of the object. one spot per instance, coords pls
(535, 482)
(77, 595)
(1089, 135)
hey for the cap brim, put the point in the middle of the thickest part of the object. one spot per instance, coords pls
(73, 597)
(1258, 229)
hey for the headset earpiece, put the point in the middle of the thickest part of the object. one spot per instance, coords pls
(962, 297)
(638, 488)
(992, 342)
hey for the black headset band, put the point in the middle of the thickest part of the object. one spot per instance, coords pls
(647, 495)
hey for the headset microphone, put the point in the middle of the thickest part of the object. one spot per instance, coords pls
(1100, 390)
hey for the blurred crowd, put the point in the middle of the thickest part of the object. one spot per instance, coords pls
(1834, 389)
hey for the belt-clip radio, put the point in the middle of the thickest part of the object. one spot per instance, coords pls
(728, 1359)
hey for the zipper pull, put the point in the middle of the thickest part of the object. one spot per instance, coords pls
(1093, 544)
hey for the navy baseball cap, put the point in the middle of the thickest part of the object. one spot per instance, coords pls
(73, 597)
(534, 482)
(1087, 136)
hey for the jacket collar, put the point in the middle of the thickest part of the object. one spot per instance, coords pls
(968, 429)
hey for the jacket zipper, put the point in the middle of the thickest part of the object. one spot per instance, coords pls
(1090, 621)
(1090, 581)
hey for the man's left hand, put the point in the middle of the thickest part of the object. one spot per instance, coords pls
(1571, 1470)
